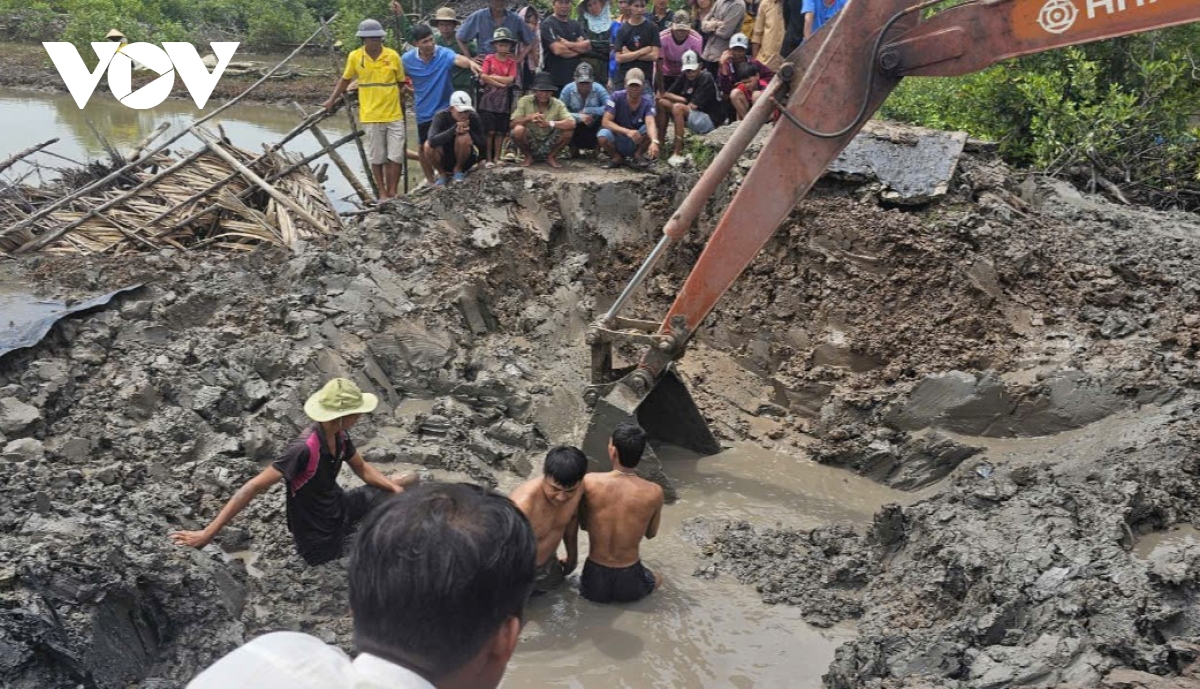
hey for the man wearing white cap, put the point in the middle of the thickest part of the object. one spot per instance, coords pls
(691, 103)
(320, 514)
(380, 77)
(738, 55)
(455, 139)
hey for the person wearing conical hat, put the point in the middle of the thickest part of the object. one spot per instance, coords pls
(320, 514)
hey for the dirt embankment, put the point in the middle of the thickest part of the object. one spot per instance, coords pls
(920, 347)
(309, 78)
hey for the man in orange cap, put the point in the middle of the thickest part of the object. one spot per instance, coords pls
(320, 514)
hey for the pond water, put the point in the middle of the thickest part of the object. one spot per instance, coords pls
(28, 118)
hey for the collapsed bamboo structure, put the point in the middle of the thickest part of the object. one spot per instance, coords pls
(218, 196)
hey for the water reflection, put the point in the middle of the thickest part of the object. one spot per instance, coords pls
(29, 118)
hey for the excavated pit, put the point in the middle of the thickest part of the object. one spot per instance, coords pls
(1019, 358)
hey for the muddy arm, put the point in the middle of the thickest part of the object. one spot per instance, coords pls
(244, 495)
(372, 476)
(571, 542)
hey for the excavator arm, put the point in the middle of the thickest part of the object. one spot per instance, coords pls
(825, 92)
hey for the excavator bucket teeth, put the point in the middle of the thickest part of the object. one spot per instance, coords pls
(667, 413)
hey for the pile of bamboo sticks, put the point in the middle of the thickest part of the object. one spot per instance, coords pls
(218, 196)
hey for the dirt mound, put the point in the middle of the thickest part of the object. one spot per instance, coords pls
(465, 308)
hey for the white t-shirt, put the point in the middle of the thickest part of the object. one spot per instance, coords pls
(291, 660)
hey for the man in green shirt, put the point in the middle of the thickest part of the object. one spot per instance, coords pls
(541, 124)
(446, 23)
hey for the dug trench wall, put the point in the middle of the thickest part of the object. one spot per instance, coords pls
(923, 346)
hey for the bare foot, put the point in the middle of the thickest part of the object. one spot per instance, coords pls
(552, 162)
(527, 161)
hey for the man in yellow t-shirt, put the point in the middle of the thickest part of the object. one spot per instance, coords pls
(380, 77)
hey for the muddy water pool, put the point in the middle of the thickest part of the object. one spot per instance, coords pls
(698, 632)
(28, 118)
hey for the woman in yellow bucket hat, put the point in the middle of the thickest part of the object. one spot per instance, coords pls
(320, 514)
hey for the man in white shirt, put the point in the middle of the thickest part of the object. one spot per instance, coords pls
(439, 578)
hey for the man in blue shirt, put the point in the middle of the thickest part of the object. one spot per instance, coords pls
(481, 25)
(628, 127)
(585, 100)
(431, 67)
(818, 12)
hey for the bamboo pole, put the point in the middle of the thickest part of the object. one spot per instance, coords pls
(249, 174)
(17, 157)
(146, 141)
(270, 178)
(296, 131)
(337, 159)
(62, 201)
(93, 212)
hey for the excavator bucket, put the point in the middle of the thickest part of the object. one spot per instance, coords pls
(667, 412)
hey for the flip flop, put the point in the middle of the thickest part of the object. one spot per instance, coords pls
(440, 181)
(460, 176)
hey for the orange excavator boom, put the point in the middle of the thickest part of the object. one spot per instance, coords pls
(825, 92)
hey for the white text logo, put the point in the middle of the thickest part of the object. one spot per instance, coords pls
(1057, 16)
(165, 61)
(1114, 6)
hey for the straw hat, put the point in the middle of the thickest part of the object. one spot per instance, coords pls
(446, 14)
(340, 397)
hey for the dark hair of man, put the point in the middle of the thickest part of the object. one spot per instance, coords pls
(630, 441)
(566, 465)
(421, 32)
(434, 573)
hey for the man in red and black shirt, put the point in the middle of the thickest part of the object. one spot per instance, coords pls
(320, 514)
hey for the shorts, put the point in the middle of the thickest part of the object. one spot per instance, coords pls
(624, 144)
(698, 122)
(384, 141)
(495, 121)
(359, 502)
(447, 160)
(423, 132)
(541, 146)
(549, 576)
(584, 136)
(601, 584)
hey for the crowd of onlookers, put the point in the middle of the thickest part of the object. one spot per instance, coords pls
(582, 78)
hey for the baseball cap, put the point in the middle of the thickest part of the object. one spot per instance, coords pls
(691, 61)
(682, 22)
(502, 34)
(739, 40)
(635, 76)
(583, 73)
(459, 100)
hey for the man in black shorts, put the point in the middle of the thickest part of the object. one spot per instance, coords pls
(320, 514)
(619, 509)
(455, 139)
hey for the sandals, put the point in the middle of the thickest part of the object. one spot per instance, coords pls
(611, 164)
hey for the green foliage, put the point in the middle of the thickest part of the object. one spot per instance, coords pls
(1124, 108)
(256, 23)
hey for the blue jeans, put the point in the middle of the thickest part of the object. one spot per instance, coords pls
(624, 145)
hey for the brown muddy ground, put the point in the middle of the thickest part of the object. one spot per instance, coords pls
(1020, 359)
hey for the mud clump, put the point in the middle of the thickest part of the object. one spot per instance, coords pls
(930, 348)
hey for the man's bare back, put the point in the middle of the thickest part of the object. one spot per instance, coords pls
(620, 509)
(548, 519)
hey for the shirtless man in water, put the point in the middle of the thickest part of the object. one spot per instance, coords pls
(551, 503)
(619, 509)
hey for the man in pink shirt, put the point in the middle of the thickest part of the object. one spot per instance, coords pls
(676, 41)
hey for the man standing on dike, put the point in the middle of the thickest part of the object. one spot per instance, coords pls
(619, 509)
(380, 77)
(551, 503)
(563, 44)
(430, 67)
(320, 514)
